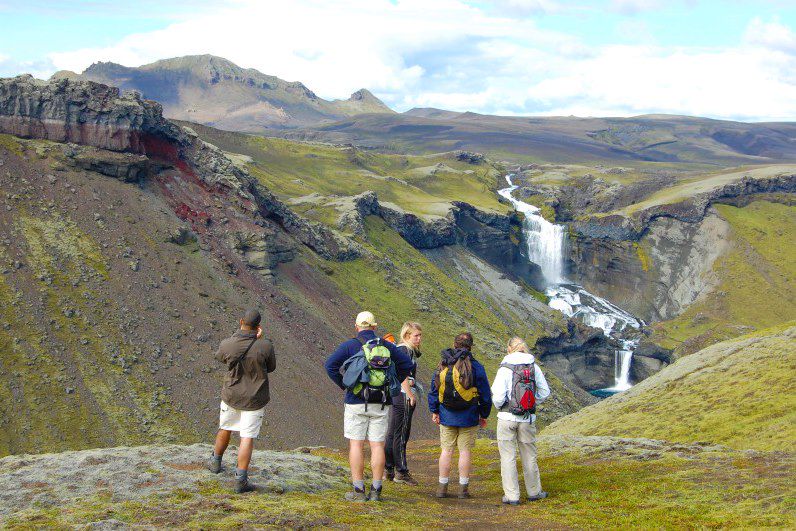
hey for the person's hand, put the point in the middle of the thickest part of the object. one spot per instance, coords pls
(435, 418)
(259, 332)
(412, 398)
(482, 422)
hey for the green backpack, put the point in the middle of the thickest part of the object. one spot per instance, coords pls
(378, 360)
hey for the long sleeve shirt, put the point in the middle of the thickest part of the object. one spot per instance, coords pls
(502, 386)
(467, 417)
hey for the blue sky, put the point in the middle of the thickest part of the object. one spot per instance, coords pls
(726, 59)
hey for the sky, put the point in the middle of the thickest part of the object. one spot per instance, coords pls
(727, 59)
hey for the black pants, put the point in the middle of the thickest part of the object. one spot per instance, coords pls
(398, 429)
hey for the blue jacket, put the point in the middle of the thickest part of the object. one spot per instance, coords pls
(467, 417)
(403, 363)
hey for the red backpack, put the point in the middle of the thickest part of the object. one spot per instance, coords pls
(522, 399)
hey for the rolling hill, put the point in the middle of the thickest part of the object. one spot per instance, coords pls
(681, 141)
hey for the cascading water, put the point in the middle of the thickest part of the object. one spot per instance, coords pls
(546, 245)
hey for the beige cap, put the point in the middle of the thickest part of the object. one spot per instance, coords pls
(365, 320)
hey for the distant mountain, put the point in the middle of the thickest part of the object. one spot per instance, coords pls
(214, 91)
(649, 138)
(431, 112)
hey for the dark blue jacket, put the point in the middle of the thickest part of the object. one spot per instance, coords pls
(403, 363)
(467, 417)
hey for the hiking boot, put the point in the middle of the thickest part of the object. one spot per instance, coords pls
(356, 495)
(541, 496)
(405, 478)
(442, 490)
(214, 464)
(464, 493)
(389, 474)
(374, 494)
(243, 486)
(510, 502)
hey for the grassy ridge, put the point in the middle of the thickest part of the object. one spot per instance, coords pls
(756, 288)
(738, 392)
(424, 185)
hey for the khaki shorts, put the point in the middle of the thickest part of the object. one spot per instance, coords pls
(451, 436)
(248, 423)
(370, 425)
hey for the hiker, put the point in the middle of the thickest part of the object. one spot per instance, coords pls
(373, 370)
(249, 358)
(460, 401)
(403, 406)
(518, 387)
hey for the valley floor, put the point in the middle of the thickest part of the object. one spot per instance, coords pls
(593, 482)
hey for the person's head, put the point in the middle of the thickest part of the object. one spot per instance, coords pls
(250, 320)
(516, 344)
(464, 365)
(365, 321)
(412, 334)
(463, 340)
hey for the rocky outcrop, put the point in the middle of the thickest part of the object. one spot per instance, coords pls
(691, 210)
(648, 359)
(491, 236)
(420, 233)
(660, 260)
(658, 276)
(582, 356)
(263, 251)
(96, 115)
(138, 473)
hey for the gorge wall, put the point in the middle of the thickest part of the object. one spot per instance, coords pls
(659, 261)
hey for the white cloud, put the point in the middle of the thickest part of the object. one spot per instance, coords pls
(11, 67)
(633, 7)
(451, 54)
(772, 35)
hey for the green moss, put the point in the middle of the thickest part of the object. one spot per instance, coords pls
(545, 210)
(714, 490)
(424, 185)
(12, 144)
(643, 256)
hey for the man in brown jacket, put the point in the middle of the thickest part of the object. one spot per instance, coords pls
(249, 358)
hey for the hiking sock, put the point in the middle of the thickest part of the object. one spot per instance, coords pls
(377, 484)
(241, 474)
(359, 484)
(443, 480)
(464, 481)
(215, 457)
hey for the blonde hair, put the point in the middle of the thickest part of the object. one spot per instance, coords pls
(407, 328)
(517, 344)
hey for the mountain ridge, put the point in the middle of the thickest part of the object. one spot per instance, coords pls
(215, 91)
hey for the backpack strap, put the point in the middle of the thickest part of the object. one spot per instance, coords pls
(240, 360)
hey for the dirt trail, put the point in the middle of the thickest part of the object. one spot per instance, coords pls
(483, 511)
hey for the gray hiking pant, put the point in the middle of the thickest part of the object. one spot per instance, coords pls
(513, 436)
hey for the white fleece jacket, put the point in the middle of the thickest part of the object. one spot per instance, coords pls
(501, 387)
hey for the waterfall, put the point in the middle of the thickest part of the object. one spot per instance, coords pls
(546, 245)
(545, 240)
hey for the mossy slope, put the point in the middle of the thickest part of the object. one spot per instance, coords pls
(738, 392)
